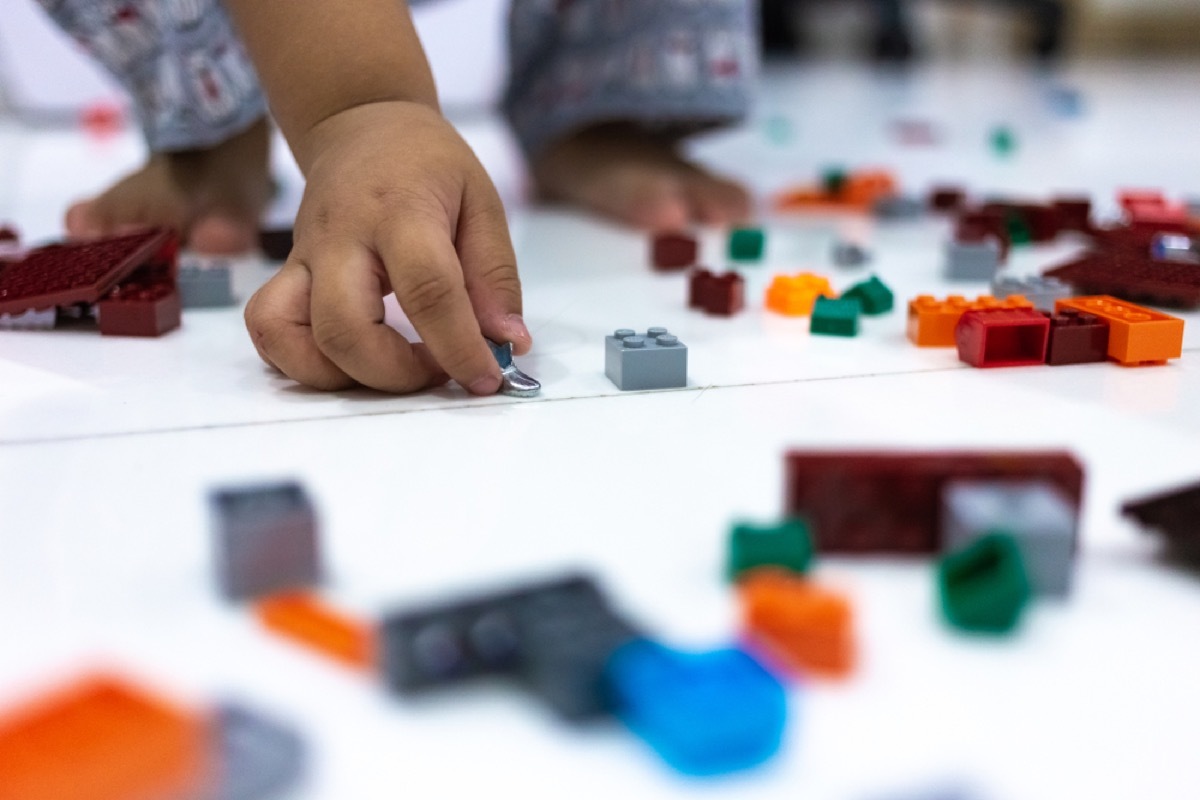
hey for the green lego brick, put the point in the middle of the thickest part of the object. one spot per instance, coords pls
(1018, 231)
(984, 586)
(747, 244)
(1003, 141)
(872, 294)
(835, 317)
(833, 180)
(788, 545)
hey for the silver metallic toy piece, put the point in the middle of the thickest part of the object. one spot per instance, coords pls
(516, 383)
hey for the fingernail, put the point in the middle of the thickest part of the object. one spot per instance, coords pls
(515, 326)
(488, 384)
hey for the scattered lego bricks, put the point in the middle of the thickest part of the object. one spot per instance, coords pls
(1002, 337)
(721, 295)
(807, 627)
(1040, 290)
(983, 587)
(747, 244)
(673, 251)
(873, 296)
(306, 620)
(835, 317)
(265, 539)
(654, 360)
(979, 225)
(931, 322)
(1076, 338)
(795, 295)
(787, 545)
(858, 502)
(1034, 513)
(1136, 335)
(857, 191)
(1175, 515)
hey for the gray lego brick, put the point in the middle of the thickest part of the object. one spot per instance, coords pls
(265, 539)
(972, 261)
(1038, 289)
(1036, 513)
(898, 207)
(205, 284)
(653, 360)
(260, 759)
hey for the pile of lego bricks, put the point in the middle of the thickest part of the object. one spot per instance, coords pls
(127, 282)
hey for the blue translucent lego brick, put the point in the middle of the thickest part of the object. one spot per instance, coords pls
(654, 360)
(704, 713)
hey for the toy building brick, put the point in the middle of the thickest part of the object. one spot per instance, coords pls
(1074, 213)
(983, 587)
(872, 295)
(655, 360)
(977, 225)
(795, 295)
(140, 307)
(972, 261)
(1076, 338)
(1002, 337)
(306, 620)
(259, 758)
(1040, 290)
(946, 198)
(807, 627)
(672, 251)
(1175, 515)
(857, 191)
(838, 317)
(1132, 275)
(1042, 223)
(787, 546)
(931, 322)
(849, 254)
(265, 539)
(897, 207)
(747, 244)
(1136, 335)
(1035, 513)
(890, 501)
(205, 283)
(276, 243)
(721, 295)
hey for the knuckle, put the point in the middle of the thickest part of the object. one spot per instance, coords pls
(337, 338)
(503, 279)
(427, 296)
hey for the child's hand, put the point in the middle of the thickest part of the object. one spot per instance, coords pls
(395, 200)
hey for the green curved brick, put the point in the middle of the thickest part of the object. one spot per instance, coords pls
(872, 294)
(747, 244)
(788, 545)
(983, 587)
(835, 317)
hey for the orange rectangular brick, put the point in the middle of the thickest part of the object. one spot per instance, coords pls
(102, 739)
(931, 322)
(809, 628)
(304, 619)
(1137, 335)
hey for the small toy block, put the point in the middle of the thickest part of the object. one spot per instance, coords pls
(265, 538)
(1136, 335)
(872, 295)
(984, 587)
(32, 320)
(1174, 247)
(1003, 141)
(809, 628)
(672, 251)
(722, 295)
(1027, 222)
(972, 261)
(1002, 337)
(795, 295)
(787, 545)
(9, 235)
(1040, 290)
(704, 713)
(947, 198)
(1037, 516)
(858, 502)
(835, 317)
(897, 207)
(977, 225)
(102, 738)
(931, 322)
(140, 308)
(205, 284)
(306, 620)
(276, 243)
(859, 192)
(848, 254)
(654, 360)
(554, 637)
(1074, 213)
(747, 244)
(258, 757)
(80, 272)
(1175, 515)
(1076, 338)
(1132, 275)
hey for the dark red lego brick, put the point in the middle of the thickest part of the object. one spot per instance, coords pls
(1074, 213)
(1175, 514)
(671, 251)
(890, 502)
(1076, 337)
(1042, 221)
(979, 224)
(79, 272)
(147, 306)
(1132, 274)
(276, 243)
(9, 235)
(723, 295)
(946, 198)
(1002, 337)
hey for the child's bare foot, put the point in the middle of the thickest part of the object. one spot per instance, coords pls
(622, 172)
(214, 197)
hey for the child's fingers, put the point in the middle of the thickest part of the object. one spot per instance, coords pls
(428, 280)
(279, 323)
(490, 266)
(348, 323)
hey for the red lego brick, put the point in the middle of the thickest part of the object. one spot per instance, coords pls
(1002, 337)
(1076, 338)
(145, 307)
(1074, 213)
(77, 272)
(889, 502)
(9, 234)
(1133, 276)
(672, 251)
(723, 295)
(947, 198)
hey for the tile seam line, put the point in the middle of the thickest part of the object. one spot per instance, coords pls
(697, 390)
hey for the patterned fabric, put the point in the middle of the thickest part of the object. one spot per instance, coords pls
(681, 65)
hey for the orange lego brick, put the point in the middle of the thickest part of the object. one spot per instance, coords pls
(809, 628)
(102, 739)
(859, 193)
(931, 322)
(304, 619)
(1136, 335)
(794, 295)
